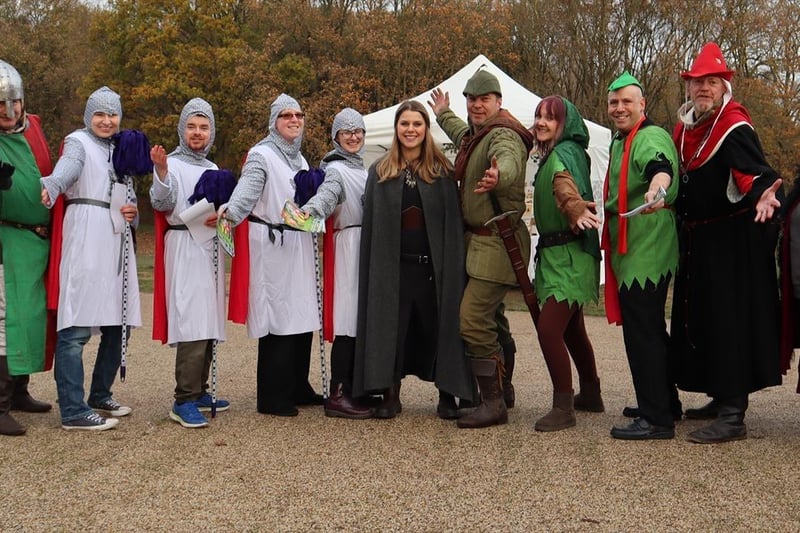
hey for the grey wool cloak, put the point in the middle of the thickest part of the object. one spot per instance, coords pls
(378, 292)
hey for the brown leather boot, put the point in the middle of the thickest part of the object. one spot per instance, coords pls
(22, 399)
(8, 426)
(509, 356)
(341, 405)
(561, 416)
(589, 399)
(390, 407)
(492, 410)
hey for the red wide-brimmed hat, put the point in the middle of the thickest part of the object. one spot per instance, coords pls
(709, 62)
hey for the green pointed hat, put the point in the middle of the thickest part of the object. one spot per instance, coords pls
(623, 81)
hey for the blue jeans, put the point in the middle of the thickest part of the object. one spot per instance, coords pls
(69, 368)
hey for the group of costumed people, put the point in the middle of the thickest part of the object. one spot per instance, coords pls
(419, 254)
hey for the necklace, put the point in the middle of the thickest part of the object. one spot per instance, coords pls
(408, 175)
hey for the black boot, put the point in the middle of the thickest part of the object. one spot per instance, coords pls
(509, 356)
(447, 409)
(22, 399)
(708, 412)
(390, 407)
(492, 410)
(728, 426)
(8, 426)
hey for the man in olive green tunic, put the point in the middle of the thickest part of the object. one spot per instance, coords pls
(23, 253)
(641, 255)
(490, 168)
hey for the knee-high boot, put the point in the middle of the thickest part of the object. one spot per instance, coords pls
(492, 410)
(728, 426)
(8, 425)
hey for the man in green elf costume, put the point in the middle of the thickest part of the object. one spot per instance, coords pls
(641, 255)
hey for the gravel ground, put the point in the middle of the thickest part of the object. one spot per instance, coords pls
(251, 472)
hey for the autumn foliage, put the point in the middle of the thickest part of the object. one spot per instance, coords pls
(369, 54)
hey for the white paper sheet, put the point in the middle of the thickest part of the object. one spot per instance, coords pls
(119, 198)
(195, 218)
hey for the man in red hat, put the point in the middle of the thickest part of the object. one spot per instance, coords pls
(725, 314)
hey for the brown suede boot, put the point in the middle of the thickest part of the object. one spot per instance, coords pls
(492, 410)
(509, 358)
(22, 399)
(8, 426)
(561, 416)
(589, 399)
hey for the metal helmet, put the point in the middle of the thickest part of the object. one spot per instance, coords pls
(10, 87)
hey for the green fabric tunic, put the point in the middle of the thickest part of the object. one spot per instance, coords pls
(24, 259)
(487, 258)
(569, 271)
(652, 239)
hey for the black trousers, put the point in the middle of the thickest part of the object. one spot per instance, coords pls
(282, 373)
(342, 357)
(644, 330)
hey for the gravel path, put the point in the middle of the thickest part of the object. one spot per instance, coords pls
(251, 472)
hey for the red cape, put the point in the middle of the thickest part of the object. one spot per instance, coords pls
(41, 153)
(240, 274)
(689, 142)
(328, 267)
(160, 319)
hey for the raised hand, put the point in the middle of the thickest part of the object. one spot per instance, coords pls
(439, 101)
(159, 158)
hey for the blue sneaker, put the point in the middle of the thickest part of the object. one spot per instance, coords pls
(187, 415)
(204, 403)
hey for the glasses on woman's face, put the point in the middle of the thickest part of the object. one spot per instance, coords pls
(348, 134)
(288, 115)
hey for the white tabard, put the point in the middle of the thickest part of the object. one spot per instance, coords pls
(195, 300)
(91, 259)
(282, 298)
(347, 223)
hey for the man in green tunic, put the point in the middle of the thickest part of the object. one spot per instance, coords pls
(490, 168)
(23, 253)
(641, 255)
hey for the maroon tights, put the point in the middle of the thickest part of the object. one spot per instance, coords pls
(562, 333)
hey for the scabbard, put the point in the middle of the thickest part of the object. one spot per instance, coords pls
(520, 269)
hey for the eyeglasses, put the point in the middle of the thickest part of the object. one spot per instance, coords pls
(288, 116)
(347, 134)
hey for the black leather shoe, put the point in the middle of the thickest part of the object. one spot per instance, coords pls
(634, 412)
(641, 429)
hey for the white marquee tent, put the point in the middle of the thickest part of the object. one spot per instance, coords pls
(517, 99)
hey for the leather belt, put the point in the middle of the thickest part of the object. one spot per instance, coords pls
(40, 230)
(88, 201)
(182, 227)
(481, 230)
(557, 238)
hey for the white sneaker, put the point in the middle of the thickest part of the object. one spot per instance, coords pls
(91, 422)
(111, 407)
